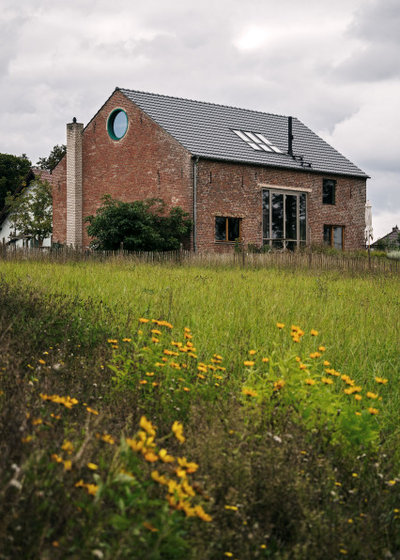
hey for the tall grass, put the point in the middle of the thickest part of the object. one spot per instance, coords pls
(285, 472)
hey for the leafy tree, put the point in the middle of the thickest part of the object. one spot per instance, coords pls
(14, 171)
(56, 155)
(31, 211)
(140, 226)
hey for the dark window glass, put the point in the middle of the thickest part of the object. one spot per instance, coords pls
(328, 191)
(220, 229)
(327, 235)
(233, 229)
(266, 214)
(302, 217)
(277, 216)
(291, 216)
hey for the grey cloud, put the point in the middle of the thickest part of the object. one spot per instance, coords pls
(376, 26)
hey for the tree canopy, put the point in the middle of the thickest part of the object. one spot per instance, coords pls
(14, 171)
(56, 155)
(140, 226)
(30, 211)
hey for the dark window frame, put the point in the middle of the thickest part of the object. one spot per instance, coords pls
(331, 230)
(329, 191)
(227, 218)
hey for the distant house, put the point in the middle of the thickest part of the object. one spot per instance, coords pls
(242, 175)
(389, 241)
(8, 234)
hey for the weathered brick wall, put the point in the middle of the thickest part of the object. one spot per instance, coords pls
(235, 190)
(146, 163)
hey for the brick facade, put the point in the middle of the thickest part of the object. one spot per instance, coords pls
(235, 190)
(148, 162)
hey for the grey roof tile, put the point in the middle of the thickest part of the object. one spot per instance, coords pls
(206, 130)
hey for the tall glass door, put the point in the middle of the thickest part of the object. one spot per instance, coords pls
(284, 219)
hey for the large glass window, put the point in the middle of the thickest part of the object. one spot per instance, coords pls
(227, 229)
(284, 219)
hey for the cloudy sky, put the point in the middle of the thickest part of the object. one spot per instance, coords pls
(334, 65)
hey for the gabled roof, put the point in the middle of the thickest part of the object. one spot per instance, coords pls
(206, 130)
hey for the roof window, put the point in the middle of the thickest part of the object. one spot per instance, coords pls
(257, 141)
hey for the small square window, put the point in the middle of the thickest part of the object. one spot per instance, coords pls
(227, 229)
(328, 191)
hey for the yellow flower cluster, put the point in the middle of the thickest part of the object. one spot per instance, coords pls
(68, 402)
(296, 333)
(179, 490)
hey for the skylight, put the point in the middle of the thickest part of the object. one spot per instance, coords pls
(257, 141)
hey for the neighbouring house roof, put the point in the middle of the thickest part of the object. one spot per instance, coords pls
(391, 237)
(206, 130)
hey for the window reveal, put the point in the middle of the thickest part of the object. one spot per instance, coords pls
(284, 219)
(227, 229)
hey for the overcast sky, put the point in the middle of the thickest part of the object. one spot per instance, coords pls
(335, 65)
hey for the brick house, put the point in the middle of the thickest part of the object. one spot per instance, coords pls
(240, 174)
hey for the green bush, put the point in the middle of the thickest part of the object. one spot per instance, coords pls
(138, 226)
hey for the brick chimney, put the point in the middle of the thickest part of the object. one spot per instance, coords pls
(74, 184)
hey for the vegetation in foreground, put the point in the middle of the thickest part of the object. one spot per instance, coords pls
(148, 413)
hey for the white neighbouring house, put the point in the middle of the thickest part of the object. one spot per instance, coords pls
(8, 234)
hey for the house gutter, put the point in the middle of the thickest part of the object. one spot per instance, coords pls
(195, 162)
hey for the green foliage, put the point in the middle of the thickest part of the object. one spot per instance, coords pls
(56, 155)
(13, 173)
(140, 226)
(31, 211)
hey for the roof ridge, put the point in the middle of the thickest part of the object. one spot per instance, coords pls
(204, 102)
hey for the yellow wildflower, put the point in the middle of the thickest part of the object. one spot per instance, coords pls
(67, 446)
(91, 410)
(310, 381)
(313, 332)
(177, 429)
(372, 395)
(143, 320)
(249, 392)
(191, 467)
(327, 380)
(248, 363)
(321, 348)
(373, 411)
(280, 325)
(163, 454)
(150, 457)
(252, 352)
(265, 360)
(381, 380)
(92, 466)
(147, 426)
(279, 384)
(232, 508)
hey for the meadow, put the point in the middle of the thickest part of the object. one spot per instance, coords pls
(166, 412)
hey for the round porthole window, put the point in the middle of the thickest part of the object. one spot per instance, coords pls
(117, 124)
